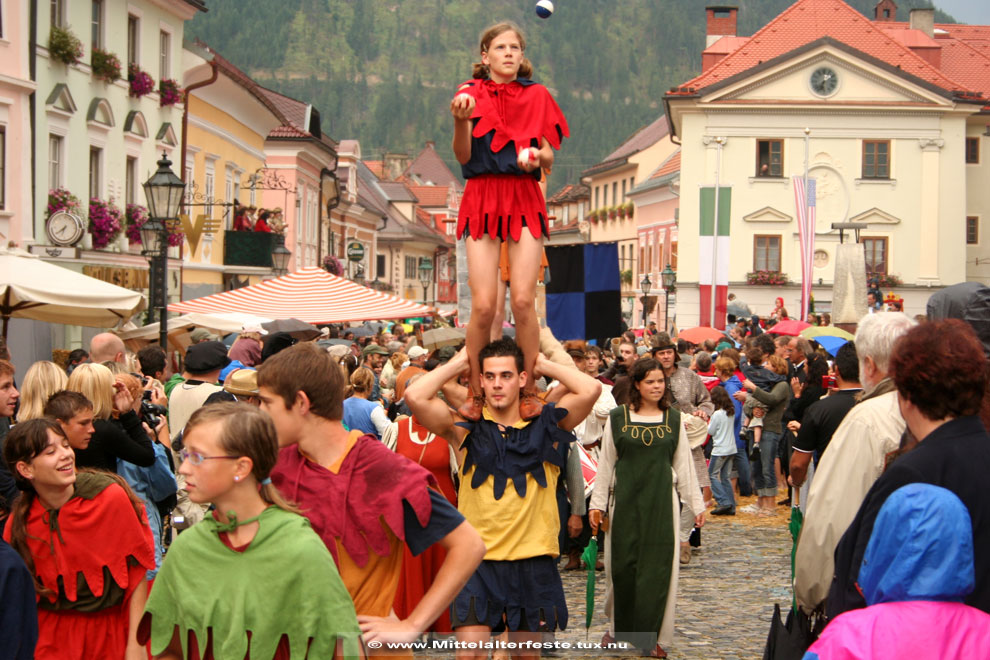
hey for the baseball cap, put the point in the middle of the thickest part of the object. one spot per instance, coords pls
(374, 349)
(201, 334)
(417, 352)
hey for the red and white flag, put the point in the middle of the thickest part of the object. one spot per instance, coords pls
(589, 468)
(804, 200)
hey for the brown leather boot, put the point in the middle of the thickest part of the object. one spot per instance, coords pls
(471, 408)
(573, 561)
(530, 405)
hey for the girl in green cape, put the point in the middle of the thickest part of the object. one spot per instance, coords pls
(253, 580)
(645, 457)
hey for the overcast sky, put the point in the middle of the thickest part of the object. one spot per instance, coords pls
(974, 12)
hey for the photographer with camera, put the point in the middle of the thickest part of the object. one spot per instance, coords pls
(823, 417)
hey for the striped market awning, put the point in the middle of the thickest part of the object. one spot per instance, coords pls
(310, 294)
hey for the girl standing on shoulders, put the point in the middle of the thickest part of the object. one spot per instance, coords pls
(253, 581)
(86, 541)
(642, 442)
(505, 129)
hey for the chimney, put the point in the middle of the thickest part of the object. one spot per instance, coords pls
(923, 20)
(885, 10)
(720, 22)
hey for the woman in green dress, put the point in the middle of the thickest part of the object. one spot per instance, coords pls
(644, 456)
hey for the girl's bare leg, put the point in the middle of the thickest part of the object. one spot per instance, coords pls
(499, 309)
(482, 256)
(524, 269)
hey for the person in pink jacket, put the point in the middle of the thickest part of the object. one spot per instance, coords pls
(917, 569)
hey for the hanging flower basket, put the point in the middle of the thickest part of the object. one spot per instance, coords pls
(141, 83)
(612, 212)
(603, 214)
(169, 92)
(767, 278)
(332, 265)
(106, 66)
(64, 46)
(629, 209)
(622, 212)
(61, 199)
(105, 222)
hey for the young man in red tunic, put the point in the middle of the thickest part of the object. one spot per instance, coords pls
(362, 499)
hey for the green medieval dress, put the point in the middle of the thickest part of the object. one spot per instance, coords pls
(643, 530)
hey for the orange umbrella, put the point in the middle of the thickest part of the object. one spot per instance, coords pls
(700, 334)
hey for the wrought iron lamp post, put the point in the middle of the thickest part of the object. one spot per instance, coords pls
(163, 191)
(668, 277)
(425, 275)
(645, 285)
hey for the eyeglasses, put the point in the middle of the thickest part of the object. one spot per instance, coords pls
(195, 458)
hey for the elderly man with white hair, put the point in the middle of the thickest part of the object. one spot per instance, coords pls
(854, 459)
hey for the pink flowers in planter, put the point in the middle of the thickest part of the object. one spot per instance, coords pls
(169, 91)
(105, 222)
(141, 82)
(767, 278)
(60, 199)
(137, 215)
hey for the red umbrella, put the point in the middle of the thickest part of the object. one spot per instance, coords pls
(791, 327)
(700, 334)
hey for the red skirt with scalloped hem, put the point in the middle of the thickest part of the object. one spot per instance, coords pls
(500, 205)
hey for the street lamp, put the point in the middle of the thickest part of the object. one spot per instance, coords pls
(280, 256)
(163, 191)
(425, 275)
(668, 278)
(645, 286)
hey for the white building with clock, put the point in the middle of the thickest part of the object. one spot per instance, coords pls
(97, 138)
(890, 119)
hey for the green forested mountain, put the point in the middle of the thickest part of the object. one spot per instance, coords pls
(383, 71)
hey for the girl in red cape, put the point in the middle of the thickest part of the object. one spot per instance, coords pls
(86, 541)
(505, 129)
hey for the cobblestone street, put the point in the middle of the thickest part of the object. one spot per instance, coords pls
(726, 594)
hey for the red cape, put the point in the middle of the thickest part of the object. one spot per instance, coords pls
(371, 486)
(98, 527)
(518, 113)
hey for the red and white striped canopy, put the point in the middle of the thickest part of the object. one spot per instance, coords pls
(310, 294)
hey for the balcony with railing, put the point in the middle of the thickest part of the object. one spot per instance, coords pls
(248, 248)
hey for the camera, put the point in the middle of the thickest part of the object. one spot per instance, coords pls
(151, 413)
(828, 382)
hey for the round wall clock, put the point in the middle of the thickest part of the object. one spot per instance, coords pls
(824, 81)
(64, 228)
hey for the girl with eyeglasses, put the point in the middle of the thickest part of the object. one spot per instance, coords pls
(85, 539)
(253, 580)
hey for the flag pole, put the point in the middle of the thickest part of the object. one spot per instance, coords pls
(719, 141)
(809, 247)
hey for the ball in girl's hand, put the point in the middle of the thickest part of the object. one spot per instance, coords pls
(528, 156)
(544, 8)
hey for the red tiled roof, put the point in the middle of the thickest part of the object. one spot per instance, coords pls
(641, 139)
(569, 193)
(963, 59)
(672, 164)
(294, 111)
(807, 21)
(428, 166)
(376, 166)
(430, 195)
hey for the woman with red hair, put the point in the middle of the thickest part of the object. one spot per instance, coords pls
(940, 373)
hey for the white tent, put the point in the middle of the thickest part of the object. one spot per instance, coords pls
(31, 288)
